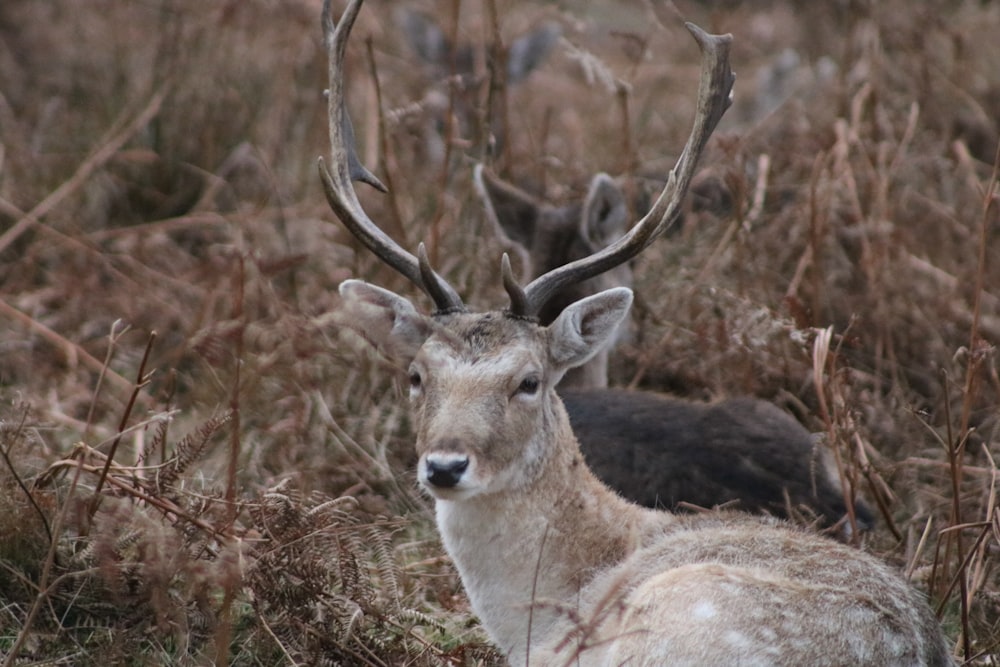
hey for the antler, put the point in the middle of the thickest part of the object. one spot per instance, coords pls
(346, 167)
(714, 97)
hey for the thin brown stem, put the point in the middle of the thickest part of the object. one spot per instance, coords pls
(5, 453)
(141, 381)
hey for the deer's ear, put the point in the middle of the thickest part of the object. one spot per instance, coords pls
(425, 37)
(386, 320)
(585, 327)
(605, 216)
(529, 51)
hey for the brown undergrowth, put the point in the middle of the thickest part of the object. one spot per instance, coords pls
(238, 488)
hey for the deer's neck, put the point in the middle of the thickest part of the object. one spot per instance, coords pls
(539, 545)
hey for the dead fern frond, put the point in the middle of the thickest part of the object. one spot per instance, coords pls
(327, 564)
(380, 544)
(595, 71)
(191, 448)
(159, 442)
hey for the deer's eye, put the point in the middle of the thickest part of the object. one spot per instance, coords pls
(529, 386)
(415, 381)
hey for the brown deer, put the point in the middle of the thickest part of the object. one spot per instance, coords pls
(559, 568)
(455, 64)
(657, 450)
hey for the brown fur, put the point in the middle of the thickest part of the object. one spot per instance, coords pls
(743, 453)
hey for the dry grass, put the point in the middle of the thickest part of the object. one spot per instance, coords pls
(238, 487)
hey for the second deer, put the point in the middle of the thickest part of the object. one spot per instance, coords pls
(657, 450)
(455, 63)
(559, 568)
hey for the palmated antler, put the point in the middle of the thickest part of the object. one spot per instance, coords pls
(346, 168)
(714, 97)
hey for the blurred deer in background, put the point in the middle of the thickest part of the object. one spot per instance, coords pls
(455, 64)
(656, 450)
(559, 568)
(545, 237)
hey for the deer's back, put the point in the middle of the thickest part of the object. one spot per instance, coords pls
(746, 453)
(724, 588)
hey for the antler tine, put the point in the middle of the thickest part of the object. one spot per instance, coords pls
(345, 167)
(714, 97)
(518, 300)
(438, 290)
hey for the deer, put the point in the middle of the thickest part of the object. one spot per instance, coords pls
(455, 63)
(657, 450)
(559, 569)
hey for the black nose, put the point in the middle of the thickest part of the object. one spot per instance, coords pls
(446, 474)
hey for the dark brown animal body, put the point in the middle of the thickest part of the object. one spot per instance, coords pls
(743, 453)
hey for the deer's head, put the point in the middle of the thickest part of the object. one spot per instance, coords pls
(467, 91)
(482, 385)
(546, 236)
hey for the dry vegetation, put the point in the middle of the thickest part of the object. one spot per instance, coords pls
(237, 487)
